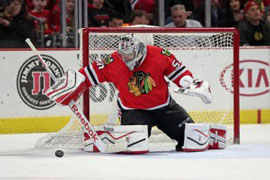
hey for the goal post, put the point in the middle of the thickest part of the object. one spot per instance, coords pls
(212, 54)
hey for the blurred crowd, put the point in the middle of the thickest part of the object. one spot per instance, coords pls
(40, 19)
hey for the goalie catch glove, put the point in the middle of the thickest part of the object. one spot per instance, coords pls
(198, 88)
(67, 88)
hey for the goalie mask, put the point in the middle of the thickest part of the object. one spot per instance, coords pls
(131, 50)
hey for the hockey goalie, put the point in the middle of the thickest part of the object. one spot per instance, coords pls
(138, 71)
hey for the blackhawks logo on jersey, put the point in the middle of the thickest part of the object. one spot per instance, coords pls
(140, 83)
(166, 52)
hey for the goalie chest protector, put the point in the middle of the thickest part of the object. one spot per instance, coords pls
(145, 86)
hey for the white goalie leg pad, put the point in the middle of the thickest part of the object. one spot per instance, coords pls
(136, 137)
(217, 136)
(196, 137)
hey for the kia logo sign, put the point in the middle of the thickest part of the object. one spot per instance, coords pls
(254, 78)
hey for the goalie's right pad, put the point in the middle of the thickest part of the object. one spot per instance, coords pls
(196, 137)
(68, 88)
(136, 137)
(198, 88)
(217, 136)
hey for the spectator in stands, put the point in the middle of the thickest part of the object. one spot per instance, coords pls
(197, 3)
(179, 17)
(234, 14)
(70, 5)
(253, 30)
(55, 39)
(262, 4)
(98, 15)
(139, 17)
(267, 15)
(116, 20)
(118, 6)
(218, 12)
(169, 3)
(149, 6)
(143, 5)
(126, 7)
(30, 6)
(43, 21)
(56, 14)
(15, 26)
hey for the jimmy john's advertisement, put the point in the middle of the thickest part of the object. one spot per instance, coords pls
(24, 82)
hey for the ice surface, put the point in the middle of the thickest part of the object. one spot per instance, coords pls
(249, 160)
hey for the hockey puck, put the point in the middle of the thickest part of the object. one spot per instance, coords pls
(59, 153)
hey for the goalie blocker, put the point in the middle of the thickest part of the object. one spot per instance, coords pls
(68, 88)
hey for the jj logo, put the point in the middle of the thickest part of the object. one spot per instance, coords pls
(37, 84)
(33, 80)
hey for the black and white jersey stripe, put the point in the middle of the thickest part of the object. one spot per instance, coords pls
(178, 72)
(91, 75)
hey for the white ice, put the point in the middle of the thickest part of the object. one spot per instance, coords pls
(248, 161)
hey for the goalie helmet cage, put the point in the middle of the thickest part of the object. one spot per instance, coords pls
(198, 48)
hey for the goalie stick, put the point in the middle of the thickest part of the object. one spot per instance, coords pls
(102, 147)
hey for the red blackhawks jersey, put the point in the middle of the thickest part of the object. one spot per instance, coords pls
(145, 86)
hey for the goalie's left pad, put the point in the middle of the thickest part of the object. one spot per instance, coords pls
(196, 137)
(198, 88)
(67, 88)
(136, 137)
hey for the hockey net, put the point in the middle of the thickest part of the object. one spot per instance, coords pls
(212, 54)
